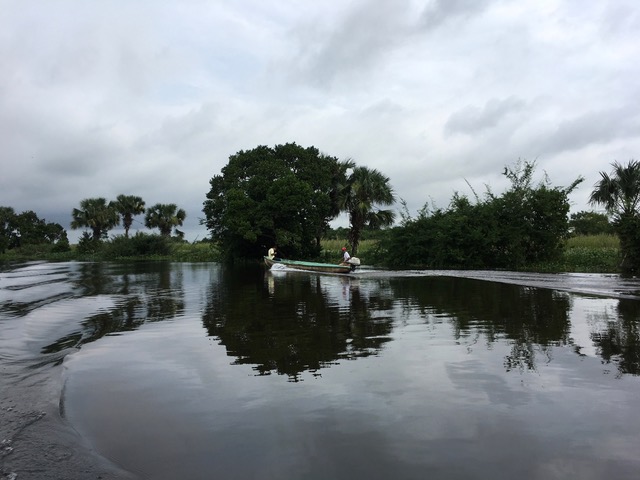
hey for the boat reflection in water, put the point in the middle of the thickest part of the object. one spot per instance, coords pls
(282, 264)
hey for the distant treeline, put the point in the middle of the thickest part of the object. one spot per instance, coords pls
(288, 195)
(26, 230)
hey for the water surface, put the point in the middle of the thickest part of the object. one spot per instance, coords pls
(198, 371)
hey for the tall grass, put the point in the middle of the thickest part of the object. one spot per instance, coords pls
(591, 254)
(593, 241)
(332, 249)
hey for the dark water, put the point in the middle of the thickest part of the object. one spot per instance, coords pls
(200, 372)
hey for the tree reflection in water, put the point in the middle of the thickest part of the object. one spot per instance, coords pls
(533, 320)
(141, 293)
(618, 341)
(294, 322)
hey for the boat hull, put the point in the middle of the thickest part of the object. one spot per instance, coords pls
(309, 266)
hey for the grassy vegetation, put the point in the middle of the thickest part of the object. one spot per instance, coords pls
(176, 251)
(591, 254)
(594, 241)
(586, 254)
(332, 250)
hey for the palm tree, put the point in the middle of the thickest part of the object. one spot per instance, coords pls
(164, 217)
(96, 214)
(619, 193)
(128, 206)
(365, 189)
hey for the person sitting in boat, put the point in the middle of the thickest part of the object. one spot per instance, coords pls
(272, 252)
(345, 256)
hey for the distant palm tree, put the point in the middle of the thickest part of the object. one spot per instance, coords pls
(359, 197)
(619, 193)
(128, 206)
(164, 217)
(96, 214)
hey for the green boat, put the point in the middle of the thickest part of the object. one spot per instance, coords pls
(313, 266)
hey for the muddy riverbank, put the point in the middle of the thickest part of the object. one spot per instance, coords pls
(36, 441)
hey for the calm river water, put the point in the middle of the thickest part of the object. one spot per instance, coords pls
(197, 371)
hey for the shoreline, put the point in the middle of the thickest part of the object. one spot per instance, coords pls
(36, 441)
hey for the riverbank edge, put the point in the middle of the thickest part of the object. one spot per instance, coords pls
(36, 441)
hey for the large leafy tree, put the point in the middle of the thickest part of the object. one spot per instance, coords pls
(361, 196)
(619, 193)
(590, 223)
(96, 214)
(128, 206)
(28, 229)
(18, 230)
(164, 216)
(7, 215)
(273, 195)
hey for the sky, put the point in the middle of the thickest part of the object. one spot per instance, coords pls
(150, 98)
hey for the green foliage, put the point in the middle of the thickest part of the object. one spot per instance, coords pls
(26, 229)
(139, 245)
(165, 216)
(6, 217)
(527, 224)
(590, 223)
(593, 241)
(127, 207)
(619, 193)
(96, 214)
(266, 196)
(194, 252)
(584, 259)
(62, 245)
(87, 245)
(364, 190)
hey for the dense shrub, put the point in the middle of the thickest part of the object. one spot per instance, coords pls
(139, 245)
(87, 245)
(523, 226)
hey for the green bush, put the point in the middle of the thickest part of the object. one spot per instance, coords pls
(194, 252)
(87, 245)
(139, 245)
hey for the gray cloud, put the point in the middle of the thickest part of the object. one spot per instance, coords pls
(353, 44)
(441, 11)
(471, 119)
(595, 127)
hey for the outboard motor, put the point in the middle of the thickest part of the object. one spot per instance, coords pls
(354, 262)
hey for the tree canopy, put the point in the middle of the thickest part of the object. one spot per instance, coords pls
(128, 206)
(364, 190)
(282, 195)
(96, 214)
(590, 223)
(26, 228)
(165, 217)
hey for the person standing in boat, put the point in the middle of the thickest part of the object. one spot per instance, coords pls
(345, 256)
(272, 252)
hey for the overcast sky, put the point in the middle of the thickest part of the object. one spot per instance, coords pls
(150, 98)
